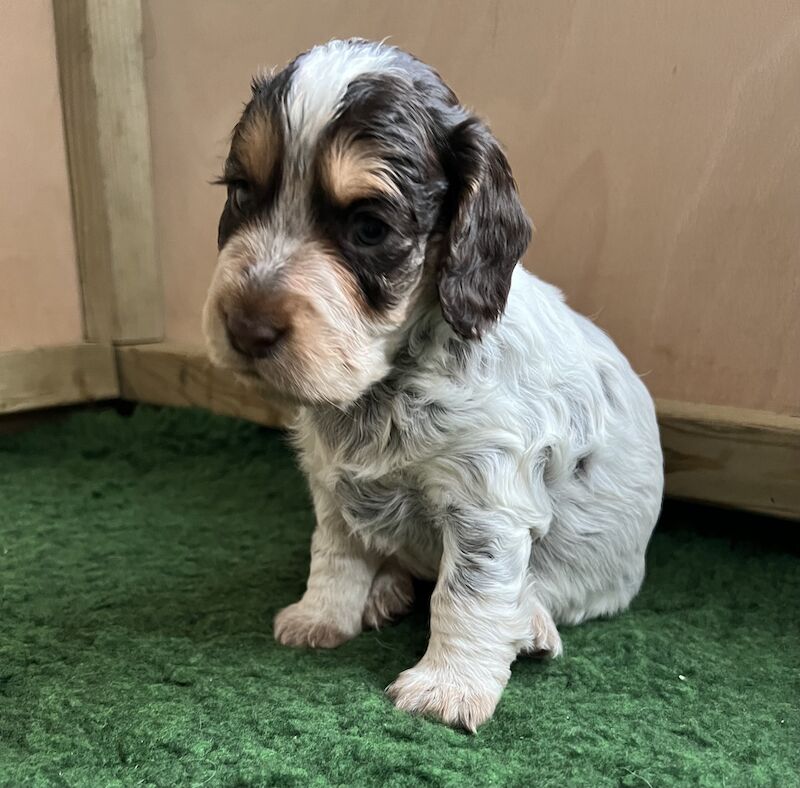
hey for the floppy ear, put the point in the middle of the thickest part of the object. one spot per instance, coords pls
(487, 234)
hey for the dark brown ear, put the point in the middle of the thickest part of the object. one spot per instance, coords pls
(487, 234)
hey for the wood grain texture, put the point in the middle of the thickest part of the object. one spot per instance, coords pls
(733, 457)
(101, 69)
(44, 377)
(169, 374)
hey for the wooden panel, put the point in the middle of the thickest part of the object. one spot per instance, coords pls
(108, 140)
(39, 291)
(44, 377)
(657, 147)
(740, 458)
(167, 374)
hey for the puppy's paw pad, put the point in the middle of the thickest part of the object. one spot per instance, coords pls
(390, 597)
(297, 625)
(440, 695)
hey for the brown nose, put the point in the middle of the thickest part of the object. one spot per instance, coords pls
(252, 337)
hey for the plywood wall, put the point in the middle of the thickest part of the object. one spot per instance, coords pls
(39, 290)
(657, 148)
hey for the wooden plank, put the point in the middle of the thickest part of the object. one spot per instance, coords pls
(90, 220)
(61, 375)
(101, 71)
(733, 457)
(168, 374)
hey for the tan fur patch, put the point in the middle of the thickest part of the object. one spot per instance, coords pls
(323, 285)
(259, 148)
(351, 171)
(321, 271)
(328, 351)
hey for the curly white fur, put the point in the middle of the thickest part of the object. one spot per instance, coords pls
(521, 471)
(531, 498)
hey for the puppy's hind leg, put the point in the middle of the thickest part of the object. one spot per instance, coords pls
(545, 639)
(390, 597)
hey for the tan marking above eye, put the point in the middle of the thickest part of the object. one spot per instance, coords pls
(351, 171)
(258, 146)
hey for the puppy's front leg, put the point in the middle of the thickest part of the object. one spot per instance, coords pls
(341, 574)
(479, 622)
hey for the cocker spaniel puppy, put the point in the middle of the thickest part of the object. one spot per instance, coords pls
(457, 421)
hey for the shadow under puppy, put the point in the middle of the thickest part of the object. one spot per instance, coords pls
(457, 421)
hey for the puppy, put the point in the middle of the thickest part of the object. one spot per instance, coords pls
(457, 421)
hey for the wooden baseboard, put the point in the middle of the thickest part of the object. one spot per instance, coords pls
(169, 374)
(738, 458)
(62, 375)
(733, 457)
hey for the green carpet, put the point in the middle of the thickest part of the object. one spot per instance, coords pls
(142, 560)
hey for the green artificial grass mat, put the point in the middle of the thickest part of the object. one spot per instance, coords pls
(142, 559)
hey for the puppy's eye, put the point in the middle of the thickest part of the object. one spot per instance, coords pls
(368, 230)
(242, 197)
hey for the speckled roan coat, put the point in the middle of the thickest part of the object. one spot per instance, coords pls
(458, 421)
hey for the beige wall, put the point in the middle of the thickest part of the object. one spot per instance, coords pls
(39, 290)
(656, 145)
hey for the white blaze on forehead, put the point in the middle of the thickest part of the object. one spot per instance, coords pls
(320, 83)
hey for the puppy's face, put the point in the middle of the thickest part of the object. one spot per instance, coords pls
(355, 183)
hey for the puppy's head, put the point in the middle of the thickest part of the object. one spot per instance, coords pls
(360, 193)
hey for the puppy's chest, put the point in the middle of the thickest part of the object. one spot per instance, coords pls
(391, 514)
(375, 470)
(381, 507)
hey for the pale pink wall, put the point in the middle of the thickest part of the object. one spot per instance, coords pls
(655, 143)
(39, 286)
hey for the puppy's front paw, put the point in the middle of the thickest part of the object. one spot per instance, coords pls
(440, 693)
(302, 624)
